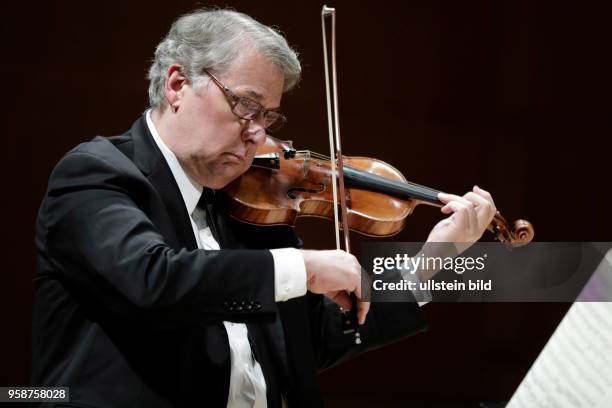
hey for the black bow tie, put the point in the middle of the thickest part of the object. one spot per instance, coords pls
(207, 197)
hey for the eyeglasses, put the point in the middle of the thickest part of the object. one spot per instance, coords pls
(248, 109)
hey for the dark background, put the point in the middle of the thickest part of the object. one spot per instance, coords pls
(513, 96)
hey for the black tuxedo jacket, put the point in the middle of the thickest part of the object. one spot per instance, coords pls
(128, 312)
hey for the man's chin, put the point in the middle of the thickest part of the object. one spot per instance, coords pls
(221, 182)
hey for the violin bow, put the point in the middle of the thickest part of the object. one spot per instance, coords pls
(335, 154)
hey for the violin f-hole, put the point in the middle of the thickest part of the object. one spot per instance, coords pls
(294, 191)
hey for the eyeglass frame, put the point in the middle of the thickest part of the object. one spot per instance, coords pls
(234, 100)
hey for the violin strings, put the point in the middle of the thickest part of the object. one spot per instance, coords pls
(324, 157)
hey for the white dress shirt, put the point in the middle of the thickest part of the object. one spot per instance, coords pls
(247, 384)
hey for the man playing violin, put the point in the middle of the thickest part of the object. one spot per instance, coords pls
(148, 296)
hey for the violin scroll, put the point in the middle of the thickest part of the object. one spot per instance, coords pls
(520, 233)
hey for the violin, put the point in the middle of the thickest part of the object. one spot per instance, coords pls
(284, 183)
(372, 196)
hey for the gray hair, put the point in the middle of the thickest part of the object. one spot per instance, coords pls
(212, 39)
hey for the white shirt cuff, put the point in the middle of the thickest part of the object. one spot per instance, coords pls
(289, 274)
(421, 296)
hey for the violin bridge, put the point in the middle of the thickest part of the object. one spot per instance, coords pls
(306, 166)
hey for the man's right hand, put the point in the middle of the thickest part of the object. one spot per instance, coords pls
(335, 274)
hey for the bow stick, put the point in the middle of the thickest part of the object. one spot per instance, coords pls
(336, 163)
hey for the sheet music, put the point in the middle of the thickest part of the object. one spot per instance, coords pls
(575, 367)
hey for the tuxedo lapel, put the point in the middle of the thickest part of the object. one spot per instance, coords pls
(267, 340)
(151, 162)
(210, 345)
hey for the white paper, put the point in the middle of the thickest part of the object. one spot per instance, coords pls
(575, 367)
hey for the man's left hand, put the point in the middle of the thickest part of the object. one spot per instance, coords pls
(470, 216)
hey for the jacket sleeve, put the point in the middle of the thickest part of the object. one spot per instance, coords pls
(103, 245)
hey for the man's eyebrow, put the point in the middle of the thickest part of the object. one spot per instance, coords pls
(258, 97)
(255, 95)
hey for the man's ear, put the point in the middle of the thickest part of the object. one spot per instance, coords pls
(174, 86)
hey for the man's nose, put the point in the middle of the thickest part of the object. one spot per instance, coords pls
(255, 130)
